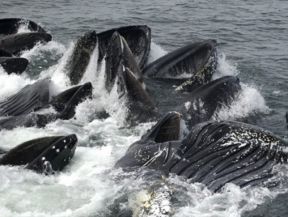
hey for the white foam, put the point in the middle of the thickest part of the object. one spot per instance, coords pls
(10, 84)
(225, 67)
(248, 102)
(231, 202)
(23, 27)
(156, 52)
(86, 186)
(53, 47)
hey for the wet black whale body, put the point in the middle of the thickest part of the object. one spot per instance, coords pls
(197, 59)
(43, 155)
(10, 26)
(20, 109)
(12, 64)
(122, 70)
(80, 57)
(23, 41)
(137, 37)
(14, 42)
(204, 102)
(213, 153)
(194, 63)
(119, 55)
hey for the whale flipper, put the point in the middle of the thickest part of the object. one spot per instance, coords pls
(30, 98)
(43, 155)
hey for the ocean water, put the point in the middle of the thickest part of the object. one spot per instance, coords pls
(252, 37)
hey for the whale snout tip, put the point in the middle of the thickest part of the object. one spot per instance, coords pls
(48, 37)
(93, 35)
(72, 139)
(175, 114)
(88, 86)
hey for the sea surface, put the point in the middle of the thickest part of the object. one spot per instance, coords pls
(252, 44)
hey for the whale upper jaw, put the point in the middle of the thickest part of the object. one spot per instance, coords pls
(56, 156)
(167, 129)
(43, 155)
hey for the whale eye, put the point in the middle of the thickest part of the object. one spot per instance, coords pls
(43, 158)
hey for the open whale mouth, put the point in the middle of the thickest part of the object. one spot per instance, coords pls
(66, 102)
(169, 128)
(43, 155)
(56, 156)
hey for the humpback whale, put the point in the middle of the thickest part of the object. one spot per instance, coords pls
(18, 110)
(13, 64)
(139, 104)
(119, 65)
(138, 39)
(202, 103)
(213, 153)
(195, 63)
(18, 42)
(80, 58)
(9, 26)
(118, 53)
(210, 98)
(43, 155)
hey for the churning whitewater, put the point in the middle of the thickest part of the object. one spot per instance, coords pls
(89, 186)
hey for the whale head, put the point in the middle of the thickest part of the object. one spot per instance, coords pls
(66, 102)
(155, 145)
(167, 129)
(80, 58)
(44, 155)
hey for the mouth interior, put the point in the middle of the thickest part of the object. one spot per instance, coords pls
(167, 129)
(57, 155)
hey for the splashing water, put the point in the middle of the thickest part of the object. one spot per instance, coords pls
(248, 102)
(224, 67)
(84, 188)
(156, 52)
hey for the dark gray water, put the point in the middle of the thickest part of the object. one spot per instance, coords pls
(252, 34)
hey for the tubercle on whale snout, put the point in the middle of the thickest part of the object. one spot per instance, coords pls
(43, 155)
